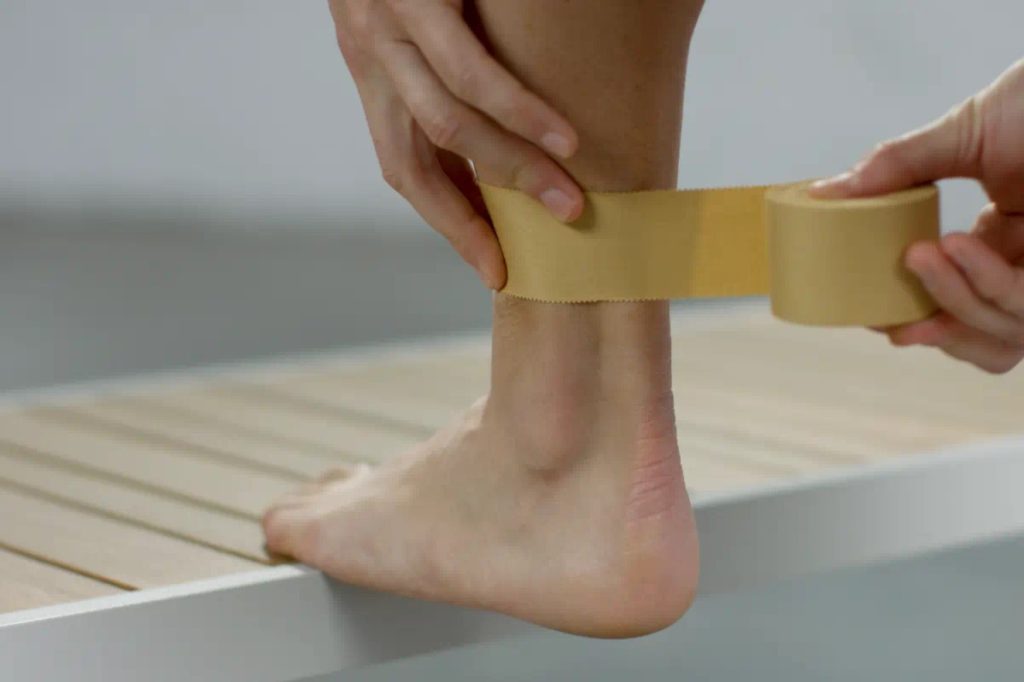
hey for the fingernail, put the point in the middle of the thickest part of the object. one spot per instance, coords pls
(558, 202)
(557, 144)
(829, 182)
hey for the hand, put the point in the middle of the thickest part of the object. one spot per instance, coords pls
(435, 99)
(977, 278)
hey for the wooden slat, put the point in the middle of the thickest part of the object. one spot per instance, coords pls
(707, 472)
(175, 470)
(917, 383)
(166, 486)
(427, 391)
(358, 441)
(924, 367)
(136, 506)
(454, 379)
(118, 552)
(750, 451)
(800, 430)
(28, 583)
(460, 372)
(736, 392)
(191, 431)
(425, 413)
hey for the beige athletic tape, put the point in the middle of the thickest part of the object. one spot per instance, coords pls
(824, 262)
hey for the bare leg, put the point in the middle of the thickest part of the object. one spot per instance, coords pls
(559, 498)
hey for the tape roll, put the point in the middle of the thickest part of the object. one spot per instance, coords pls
(840, 261)
(824, 262)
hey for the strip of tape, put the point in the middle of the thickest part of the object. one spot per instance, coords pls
(823, 262)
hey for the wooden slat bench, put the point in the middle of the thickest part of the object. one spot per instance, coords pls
(162, 483)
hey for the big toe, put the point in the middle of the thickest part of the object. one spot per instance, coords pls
(289, 523)
(286, 527)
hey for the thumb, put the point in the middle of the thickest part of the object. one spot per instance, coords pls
(945, 148)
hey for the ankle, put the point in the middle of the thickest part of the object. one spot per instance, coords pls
(565, 377)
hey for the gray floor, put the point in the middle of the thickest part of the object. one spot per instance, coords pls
(153, 291)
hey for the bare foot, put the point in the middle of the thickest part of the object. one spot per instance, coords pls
(558, 499)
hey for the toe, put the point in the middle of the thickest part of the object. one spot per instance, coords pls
(284, 527)
(329, 478)
(338, 474)
(301, 493)
(331, 475)
(290, 521)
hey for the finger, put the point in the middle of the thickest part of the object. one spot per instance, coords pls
(951, 291)
(460, 172)
(928, 332)
(438, 200)
(959, 341)
(471, 74)
(980, 349)
(948, 147)
(461, 175)
(453, 126)
(411, 168)
(1003, 233)
(991, 276)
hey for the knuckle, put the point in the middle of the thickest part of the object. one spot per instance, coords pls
(517, 175)
(887, 152)
(354, 56)
(359, 26)
(394, 178)
(405, 10)
(967, 120)
(528, 173)
(514, 102)
(444, 128)
(464, 81)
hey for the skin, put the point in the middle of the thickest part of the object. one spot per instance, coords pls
(977, 278)
(434, 98)
(559, 497)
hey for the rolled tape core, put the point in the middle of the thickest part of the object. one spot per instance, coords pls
(823, 262)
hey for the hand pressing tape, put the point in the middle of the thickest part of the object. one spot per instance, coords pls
(824, 262)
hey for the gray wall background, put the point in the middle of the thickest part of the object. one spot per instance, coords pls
(184, 183)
